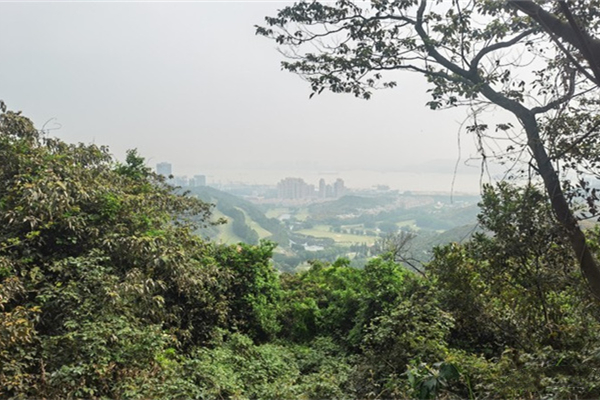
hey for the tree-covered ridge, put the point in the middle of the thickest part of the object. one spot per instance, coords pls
(105, 292)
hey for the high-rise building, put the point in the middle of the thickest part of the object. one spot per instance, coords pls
(198, 180)
(164, 169)
(338, 188)
(294, 188)
(322, 189)
(180, 181)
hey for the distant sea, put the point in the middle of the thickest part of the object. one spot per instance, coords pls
(356, 179)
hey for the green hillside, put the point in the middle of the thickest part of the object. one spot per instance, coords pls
(245, 222)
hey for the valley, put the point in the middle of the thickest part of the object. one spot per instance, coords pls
(346, 227)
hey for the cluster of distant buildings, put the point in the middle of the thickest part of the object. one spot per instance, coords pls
(287, 188)
(296, 188)
(166, 169)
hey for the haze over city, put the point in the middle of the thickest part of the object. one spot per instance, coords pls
(191, 84)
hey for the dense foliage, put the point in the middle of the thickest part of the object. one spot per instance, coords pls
(105, 292)
(101, 275)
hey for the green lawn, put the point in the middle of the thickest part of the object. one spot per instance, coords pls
(226, 234)
(302, 214)
(409, 222)
(323, 231)
(276, 212)
(262, 232)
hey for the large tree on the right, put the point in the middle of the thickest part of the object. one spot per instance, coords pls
(537, 60)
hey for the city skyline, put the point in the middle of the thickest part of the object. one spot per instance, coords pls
(437, 179)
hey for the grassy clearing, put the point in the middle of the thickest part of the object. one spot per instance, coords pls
(227, 236)
(225, 232)
(354, 226)
(262, 232)
(302, 214)
(323, 231)
(412, 223)
(277, 212)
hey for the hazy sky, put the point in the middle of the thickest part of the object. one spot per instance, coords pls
(191, 84)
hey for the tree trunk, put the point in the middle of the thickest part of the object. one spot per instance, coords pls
(558, 201)
(587, 262)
